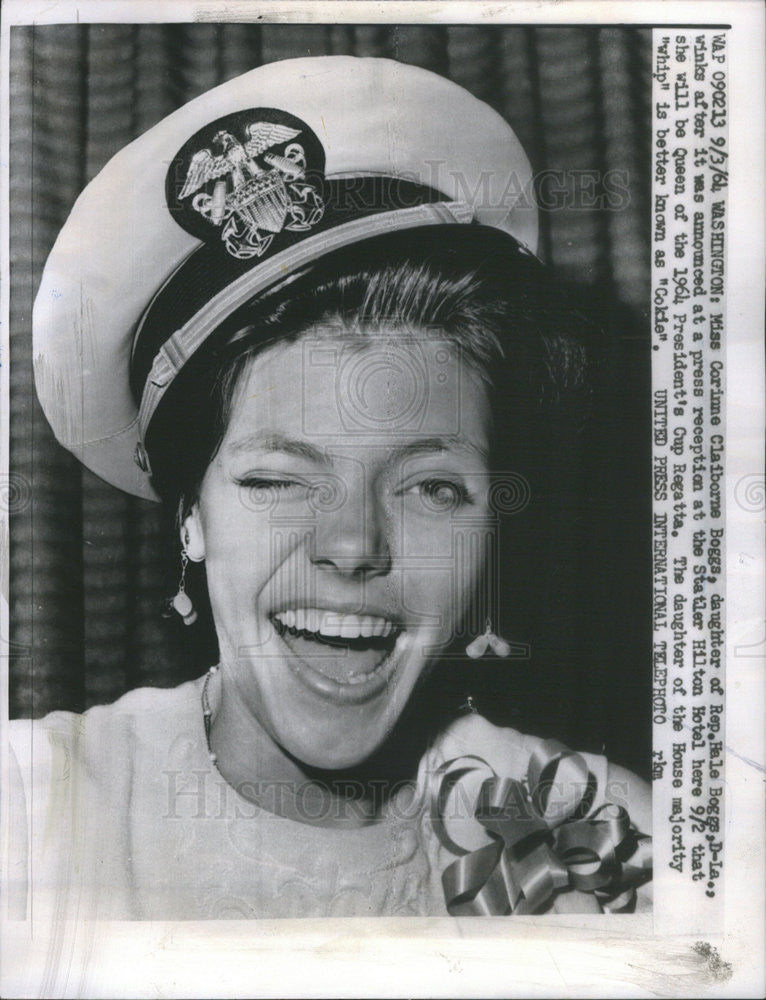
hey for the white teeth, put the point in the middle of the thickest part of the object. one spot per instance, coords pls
(350, 626)
(332, 624)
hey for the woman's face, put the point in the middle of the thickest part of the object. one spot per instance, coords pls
(343, 522)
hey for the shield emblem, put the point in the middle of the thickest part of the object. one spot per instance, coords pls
(243, 179)
(268, 205)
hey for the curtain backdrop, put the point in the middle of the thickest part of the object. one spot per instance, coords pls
(90, 567)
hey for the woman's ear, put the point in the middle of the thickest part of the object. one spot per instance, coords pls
(192, 536)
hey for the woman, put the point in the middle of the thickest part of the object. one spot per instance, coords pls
(331, 344)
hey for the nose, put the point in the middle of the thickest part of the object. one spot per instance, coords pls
(353, 541)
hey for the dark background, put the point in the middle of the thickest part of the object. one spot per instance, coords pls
(90, 567)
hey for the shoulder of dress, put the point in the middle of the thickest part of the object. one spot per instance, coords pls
(147, 701)
(473, 726)
(31, 740)
(126, 718)
(506, 750)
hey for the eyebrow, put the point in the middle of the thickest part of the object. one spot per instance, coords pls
(273, 441)
(435, 445)
(432, 444)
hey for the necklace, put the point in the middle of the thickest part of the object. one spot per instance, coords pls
(207, 715)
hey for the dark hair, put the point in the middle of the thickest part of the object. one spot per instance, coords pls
(514, 322)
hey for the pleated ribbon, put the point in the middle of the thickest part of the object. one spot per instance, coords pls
(541, 843)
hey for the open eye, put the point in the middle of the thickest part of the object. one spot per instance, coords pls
(441, 495)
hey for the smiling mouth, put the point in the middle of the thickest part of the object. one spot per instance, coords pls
(342, 657)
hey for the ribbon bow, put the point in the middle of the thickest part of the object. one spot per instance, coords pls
(542, 840)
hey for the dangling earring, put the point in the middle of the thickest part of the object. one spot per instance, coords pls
(479, 646)
(182, 602)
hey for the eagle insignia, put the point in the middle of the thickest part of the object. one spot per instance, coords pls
(252, 178)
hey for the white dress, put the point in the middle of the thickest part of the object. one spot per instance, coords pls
(119, 813)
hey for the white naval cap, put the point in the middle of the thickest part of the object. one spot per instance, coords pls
(227, 196)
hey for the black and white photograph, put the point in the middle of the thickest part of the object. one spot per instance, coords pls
(364, 498)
